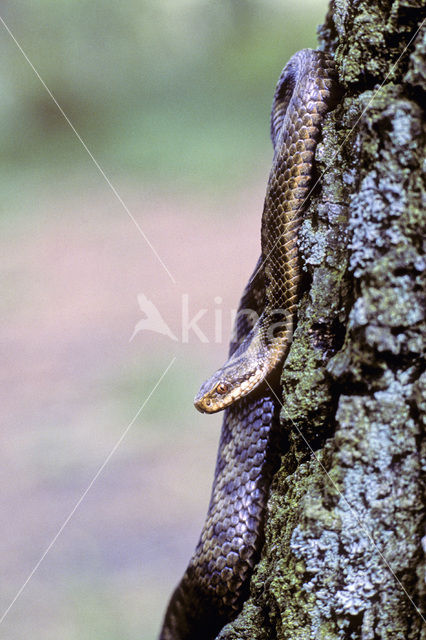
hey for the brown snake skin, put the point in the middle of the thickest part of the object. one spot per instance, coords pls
(215, 584)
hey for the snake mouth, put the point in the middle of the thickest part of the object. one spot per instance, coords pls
(212, 403)
(205, 405)
(199, 405)
(208, 404)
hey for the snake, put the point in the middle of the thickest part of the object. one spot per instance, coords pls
(216, 582)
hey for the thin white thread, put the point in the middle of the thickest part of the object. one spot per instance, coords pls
(352, 510)
(95, 162)
(392, 68)
(90, 485)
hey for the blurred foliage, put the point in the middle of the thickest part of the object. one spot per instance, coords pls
(174, 91)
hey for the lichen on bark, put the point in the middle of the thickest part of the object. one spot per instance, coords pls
(343, 557)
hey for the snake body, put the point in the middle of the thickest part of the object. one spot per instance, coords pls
(215, 583)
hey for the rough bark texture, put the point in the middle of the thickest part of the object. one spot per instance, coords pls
(343, 541)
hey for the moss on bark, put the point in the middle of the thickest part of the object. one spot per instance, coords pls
(343, 556)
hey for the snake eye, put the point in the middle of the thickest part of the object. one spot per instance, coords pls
(222, 388)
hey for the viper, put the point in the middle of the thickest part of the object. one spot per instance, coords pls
(215, 584)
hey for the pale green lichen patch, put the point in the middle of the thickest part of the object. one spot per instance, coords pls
(368, 39)
(416, 74)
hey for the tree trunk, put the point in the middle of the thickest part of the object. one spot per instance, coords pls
(343, 556)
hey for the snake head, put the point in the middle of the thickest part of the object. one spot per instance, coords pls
(221, 390)
(214, 395)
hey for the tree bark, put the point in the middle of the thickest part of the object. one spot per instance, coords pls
(342, 557)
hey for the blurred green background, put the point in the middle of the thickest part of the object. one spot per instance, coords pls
(172, 98)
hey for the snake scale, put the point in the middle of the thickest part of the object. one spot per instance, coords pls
(216, 581)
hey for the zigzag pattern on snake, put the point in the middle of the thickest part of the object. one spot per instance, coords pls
(216, 581)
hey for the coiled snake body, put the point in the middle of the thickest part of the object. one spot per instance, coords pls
(215, 583)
